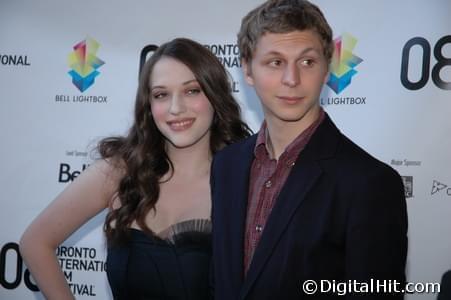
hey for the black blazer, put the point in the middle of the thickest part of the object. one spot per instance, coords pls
(341, 215)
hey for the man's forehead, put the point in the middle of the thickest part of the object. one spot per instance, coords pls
(296, 41)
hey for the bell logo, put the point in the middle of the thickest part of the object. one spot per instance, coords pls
(65, 173)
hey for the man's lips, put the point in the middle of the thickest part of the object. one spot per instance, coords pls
(180, 124)
(290, 99)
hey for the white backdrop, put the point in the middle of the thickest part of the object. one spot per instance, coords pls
(45, 142)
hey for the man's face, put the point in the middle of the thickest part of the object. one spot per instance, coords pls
(288, 71)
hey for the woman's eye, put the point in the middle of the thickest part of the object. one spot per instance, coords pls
(193, 91)
(159, 95)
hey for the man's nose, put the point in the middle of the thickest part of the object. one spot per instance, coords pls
(291, 75)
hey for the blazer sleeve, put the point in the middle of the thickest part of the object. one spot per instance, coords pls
(376, 235)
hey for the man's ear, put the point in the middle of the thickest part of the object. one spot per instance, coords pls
(247, 71)
(326, 78)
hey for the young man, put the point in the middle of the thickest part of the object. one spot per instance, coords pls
(299, 201)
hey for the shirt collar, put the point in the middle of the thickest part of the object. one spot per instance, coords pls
(294, 147)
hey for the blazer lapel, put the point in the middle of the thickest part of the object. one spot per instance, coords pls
(302, 178)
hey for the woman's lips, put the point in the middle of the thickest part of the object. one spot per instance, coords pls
(180, 124)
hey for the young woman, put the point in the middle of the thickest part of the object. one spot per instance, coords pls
(154, 181)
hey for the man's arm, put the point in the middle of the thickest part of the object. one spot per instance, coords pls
(376, 242)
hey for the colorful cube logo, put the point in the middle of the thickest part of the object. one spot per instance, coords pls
(343, 63)
(84, 64)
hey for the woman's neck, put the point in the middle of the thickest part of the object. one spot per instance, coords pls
(192, 161)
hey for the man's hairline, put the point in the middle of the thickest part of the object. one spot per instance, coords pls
(249, 60)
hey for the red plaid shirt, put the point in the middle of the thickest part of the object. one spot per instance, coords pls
(267, 178)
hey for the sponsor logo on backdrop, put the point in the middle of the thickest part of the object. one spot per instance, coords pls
(228, 55)
(405, 163)
(342, 67)
(80, 99)
(342, 70)
(13, 270)
(76, 153)
(424, 63)
(407, 180)
(67, 172)
(408, 186)
(84, 65)
(14, 60)
(438, 187)
(76, 262)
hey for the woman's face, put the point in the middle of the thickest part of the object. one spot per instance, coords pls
(180, 109)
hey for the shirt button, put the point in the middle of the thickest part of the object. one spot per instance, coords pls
(290, 164)
(259, 228)
(268, 184)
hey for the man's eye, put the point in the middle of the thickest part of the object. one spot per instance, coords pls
(275, 62)
(307, 62)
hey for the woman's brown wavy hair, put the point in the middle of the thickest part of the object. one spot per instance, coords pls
(141, 153)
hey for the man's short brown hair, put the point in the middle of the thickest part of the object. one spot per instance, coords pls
(283, 16)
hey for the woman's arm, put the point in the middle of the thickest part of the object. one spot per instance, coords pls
(89, 194)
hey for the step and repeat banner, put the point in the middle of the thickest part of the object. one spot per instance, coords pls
(391, 95)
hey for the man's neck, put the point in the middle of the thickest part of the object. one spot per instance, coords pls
(280, 133)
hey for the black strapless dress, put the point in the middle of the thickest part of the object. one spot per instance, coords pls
(173, 265)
